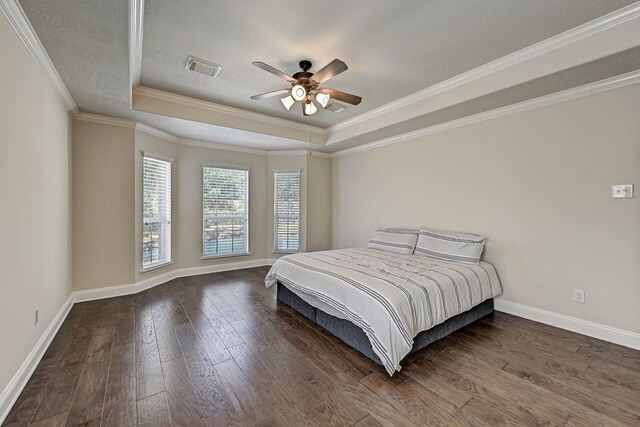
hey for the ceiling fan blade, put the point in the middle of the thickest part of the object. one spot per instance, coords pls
(272, 93)
(332, 69)
(341, 96)
(274, 71)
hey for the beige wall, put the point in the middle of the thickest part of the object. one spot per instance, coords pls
(103, 205)
(189, 206)
(35, 212)
(107, 180)
(536, 183)
(319, 203)
(108, 202)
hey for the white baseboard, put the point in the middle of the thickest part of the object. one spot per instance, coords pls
(584, 327)
(11, 392)
(18, 382)
(134, 288)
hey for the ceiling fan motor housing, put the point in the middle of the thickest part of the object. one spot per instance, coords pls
(305, 65)
(304, 77)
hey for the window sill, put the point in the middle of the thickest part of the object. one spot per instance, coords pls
(212, 257)
(285, 252)
(155, 267)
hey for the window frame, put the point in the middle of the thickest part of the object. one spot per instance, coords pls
(246, 217)
(276, 250)
(167, 220)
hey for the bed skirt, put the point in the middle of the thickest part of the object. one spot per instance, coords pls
(356, 338)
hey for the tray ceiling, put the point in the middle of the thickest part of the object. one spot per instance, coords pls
(391, 51)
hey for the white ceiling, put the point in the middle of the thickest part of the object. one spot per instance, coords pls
(393, 49)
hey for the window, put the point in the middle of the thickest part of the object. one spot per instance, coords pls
(225, 211)
(156, 207)
(286, 195)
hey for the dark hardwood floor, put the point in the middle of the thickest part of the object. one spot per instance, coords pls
(218, 350)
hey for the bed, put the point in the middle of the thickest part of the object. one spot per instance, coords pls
(384, 304)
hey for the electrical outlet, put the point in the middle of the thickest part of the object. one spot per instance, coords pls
(36, 316)
(578, 295)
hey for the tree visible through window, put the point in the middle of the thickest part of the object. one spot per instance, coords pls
(225, 209)
(156, 208)
(286, 189)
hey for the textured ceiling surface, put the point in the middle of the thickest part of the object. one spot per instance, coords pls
(88, 42)
(392, 49)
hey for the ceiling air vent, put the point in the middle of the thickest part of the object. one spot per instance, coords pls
(201, 66)
(336, 107)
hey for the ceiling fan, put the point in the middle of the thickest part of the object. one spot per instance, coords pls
(305, 86)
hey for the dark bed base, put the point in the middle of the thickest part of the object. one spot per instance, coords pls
(356, 338)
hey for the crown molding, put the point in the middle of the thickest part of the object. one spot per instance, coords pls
(18, 21)
(565, 95)
(112, 121)
(136, 18)
(277, 153)
(551, 44)
(319, 154)
(288, 153)
(157, 132)
(104, 120)
(225, 147)
(223, 109)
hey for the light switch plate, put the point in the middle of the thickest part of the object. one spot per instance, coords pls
(622, 191)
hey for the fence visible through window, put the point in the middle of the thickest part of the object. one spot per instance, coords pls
(225, 211)
(156, 212)
(224, 234)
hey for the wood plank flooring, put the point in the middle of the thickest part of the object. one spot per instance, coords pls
(218, 350)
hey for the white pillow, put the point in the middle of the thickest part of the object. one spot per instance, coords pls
(394, 240)
(449, 246)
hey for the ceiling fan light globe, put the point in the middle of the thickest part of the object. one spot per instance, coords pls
(323, 99)
(310, 108)
(298, 92)
(287, 101)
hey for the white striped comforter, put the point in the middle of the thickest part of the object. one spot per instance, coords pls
(392, 297)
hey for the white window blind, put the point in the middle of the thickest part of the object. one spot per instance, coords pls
(286, 188)
(225, 209)
(156, 193)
